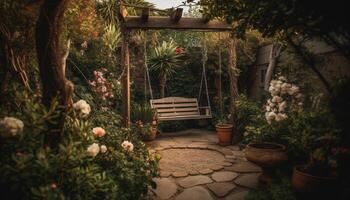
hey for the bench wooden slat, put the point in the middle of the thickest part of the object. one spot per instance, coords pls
(177, 109)
(174, 99)
(172, 118)
(178, 114)
(175, 105)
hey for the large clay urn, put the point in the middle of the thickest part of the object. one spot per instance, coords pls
(268, 156)
(312, 186)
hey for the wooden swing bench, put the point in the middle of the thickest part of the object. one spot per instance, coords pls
(179, 108)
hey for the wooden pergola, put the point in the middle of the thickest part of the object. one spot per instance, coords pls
(147, 22)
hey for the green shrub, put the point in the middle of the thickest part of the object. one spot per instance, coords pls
(142, 113)
(280, 190)
(248, 113)
(31, 170)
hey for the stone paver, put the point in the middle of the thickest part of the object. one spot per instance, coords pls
(179, 174)
(193, 172)
(165, 174)
(245, 167)
(194, 167)
(226, 164)
(237, 195)
(195, 193)
(224, 176)
(191, 181)
(248, 180)
(221, 189)
(217, 167)
(165, 188)
(205, 171)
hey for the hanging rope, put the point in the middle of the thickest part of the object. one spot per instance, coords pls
(204, 75)
(147, 77)
(220, 80)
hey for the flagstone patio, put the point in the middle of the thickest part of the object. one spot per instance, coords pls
(195, 167)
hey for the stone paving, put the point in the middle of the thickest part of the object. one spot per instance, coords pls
(195, 167)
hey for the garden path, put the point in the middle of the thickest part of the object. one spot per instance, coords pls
(195, 167)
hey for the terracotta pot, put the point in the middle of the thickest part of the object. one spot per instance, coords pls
(308, 184)
(268, 156)
(153, 134)
(224, 133)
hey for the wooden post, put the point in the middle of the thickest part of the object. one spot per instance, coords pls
(125, 61)
(233, 74)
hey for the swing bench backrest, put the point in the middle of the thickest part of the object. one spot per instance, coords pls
(179, 108)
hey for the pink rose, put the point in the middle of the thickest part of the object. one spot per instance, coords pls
(98, 131)
(53, 185)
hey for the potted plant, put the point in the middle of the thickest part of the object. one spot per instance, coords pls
(224, 131)
(147, 131)
(265, 150)
(145, 122)
(319, 175)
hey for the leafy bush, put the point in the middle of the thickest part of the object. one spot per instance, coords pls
(143, 113)
(86, 165)
(280, 190)
(248, 113)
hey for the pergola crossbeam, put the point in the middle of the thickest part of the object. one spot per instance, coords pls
(160, 22)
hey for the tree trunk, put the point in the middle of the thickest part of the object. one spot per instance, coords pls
(309, 61)
(52, 65)
(162, 83)
(274, 54)
(233, 74)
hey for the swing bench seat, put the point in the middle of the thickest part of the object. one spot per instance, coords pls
(179, 108)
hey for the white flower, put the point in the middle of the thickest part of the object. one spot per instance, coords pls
(270, 116)
(98, 131)
(268, 108)
(272, 105)
(93, 150)
(11, 126)
(293, 90)
(103, 149)
(127, 146)
(84, 44)
(285, 88)
(282, 78)
(277, 99)
(281, 117)
(82, 107)
(282, 106)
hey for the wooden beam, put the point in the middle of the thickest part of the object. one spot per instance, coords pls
(158, 22)
(176, 15)
(125, 62)
(145, 14)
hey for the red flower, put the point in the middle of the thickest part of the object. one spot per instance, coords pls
(179, 50)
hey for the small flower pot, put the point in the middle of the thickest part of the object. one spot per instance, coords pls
(308, 185)
(152, 135)
(224, 133)
(268, 156)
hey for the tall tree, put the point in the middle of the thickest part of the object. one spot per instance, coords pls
(52, 64)
(306, 19)
(274, 54)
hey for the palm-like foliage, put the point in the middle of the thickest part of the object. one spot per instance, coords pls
(165, 60)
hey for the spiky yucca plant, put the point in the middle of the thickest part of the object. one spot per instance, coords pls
(165, 60)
